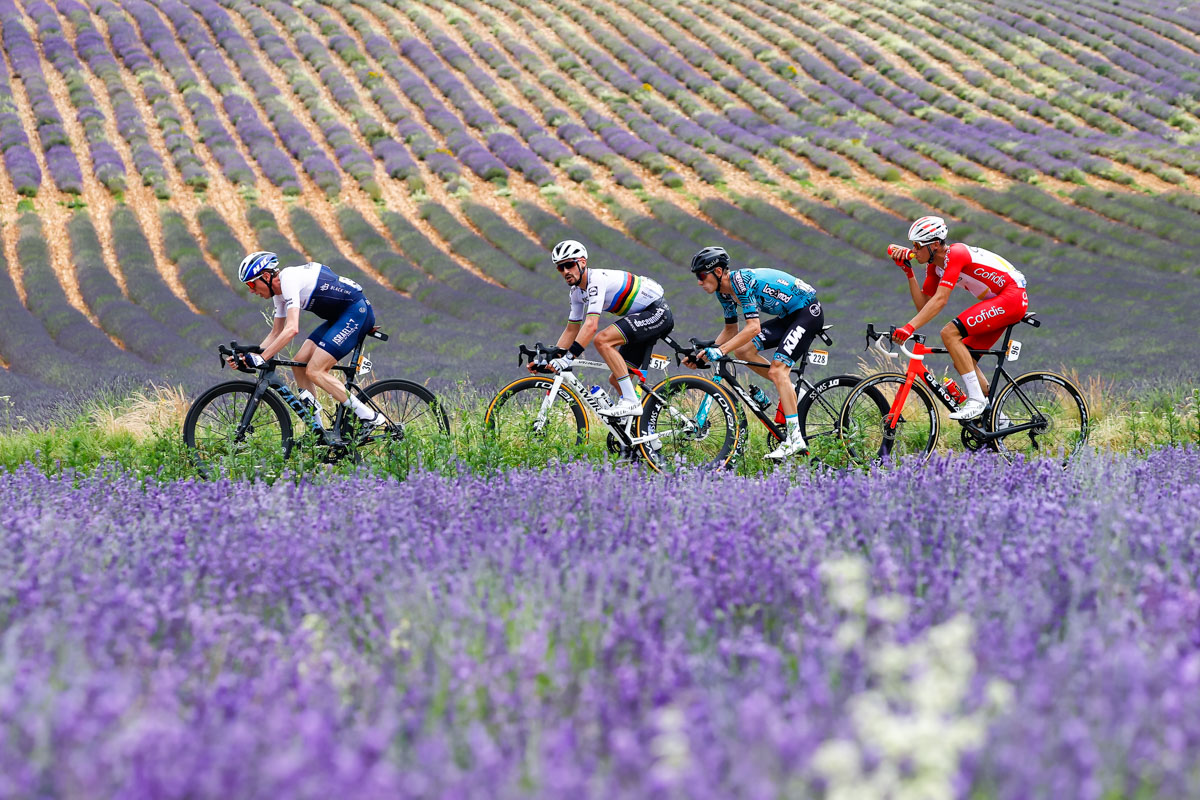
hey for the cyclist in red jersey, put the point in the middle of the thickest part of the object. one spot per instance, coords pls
(998, 285)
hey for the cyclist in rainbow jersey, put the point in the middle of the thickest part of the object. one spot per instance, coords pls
(628, 343)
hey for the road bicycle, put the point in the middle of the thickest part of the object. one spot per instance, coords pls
(818, 405)
(894, 414)
(239, 417)
(548, 411)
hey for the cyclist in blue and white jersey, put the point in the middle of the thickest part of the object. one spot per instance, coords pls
(799, 319)
(339, 301)
(644, 315)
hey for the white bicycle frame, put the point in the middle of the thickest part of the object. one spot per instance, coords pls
(623, 428)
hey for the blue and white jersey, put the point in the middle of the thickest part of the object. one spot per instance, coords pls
(769, 290)
(315, 287)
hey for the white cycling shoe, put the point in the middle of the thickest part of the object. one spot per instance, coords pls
(969, 410)
(793, 444)
(623, 408)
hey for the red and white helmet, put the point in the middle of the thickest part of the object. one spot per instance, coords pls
(927, 229)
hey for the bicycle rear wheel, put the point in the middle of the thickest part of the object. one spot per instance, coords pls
(1052, 407)
(413, 414)
(519, 417)
(819, 413)
(694, 424)
(875, 434)
(214, 432)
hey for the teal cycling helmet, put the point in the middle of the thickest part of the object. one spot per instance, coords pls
(257, 263)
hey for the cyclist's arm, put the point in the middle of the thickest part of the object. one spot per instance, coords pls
(728, 332)
(740, 337)
(932, 307)
(919, 297)
(587, 331)
(282, 331)
(569, 335)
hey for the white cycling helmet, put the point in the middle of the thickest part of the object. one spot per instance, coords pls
(928, 229)
(255, 264)
(567, 250)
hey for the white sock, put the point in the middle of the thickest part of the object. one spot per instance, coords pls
(627, 392)
(971, 383)
(360, 409)
(793, 423)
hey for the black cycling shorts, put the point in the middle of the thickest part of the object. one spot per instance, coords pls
(641, 330)
(793, 334)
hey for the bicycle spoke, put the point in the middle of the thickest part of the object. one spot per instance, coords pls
(692, 428)
(520, 417)
(1045, 415)
(875, 434)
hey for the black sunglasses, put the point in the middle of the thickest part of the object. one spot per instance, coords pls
(563, 266)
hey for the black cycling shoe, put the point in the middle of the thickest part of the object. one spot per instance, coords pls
(332, 439)
(366, 427)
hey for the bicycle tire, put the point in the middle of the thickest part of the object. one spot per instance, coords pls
(819, 414)
(414, 414)
(671, 409)
(512, 417)
(210, 427)
(864, 431)
(1059, 402)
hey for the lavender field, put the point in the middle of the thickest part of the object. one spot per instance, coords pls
(598, 633)
(434, 149)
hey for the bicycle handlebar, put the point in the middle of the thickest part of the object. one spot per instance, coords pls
(239, 352)
(539, 355)
(876, 339)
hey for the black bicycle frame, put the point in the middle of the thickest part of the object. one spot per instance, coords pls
(270, 379)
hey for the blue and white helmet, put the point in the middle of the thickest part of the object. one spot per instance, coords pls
(254, 264)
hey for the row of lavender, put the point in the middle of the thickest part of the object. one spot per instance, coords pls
(847, 639)
(717, 90)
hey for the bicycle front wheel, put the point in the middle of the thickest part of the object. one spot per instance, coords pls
(216, 433)
(413, 414)
(877, 429)
(691, 422)
(1047, 414)
(524, 416)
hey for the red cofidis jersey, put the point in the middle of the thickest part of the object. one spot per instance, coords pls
(981, 272)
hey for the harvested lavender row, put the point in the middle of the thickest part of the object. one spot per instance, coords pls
(26, 64)
(19, 161)
(353, 159)
(107, 164)
(91, 47)
(814, 633)
(162, 44)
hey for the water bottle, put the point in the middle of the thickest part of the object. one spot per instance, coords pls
(760, 397)
(954, 391)
(599, 395)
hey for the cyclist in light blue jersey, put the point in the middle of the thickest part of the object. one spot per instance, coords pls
(337, 300)
(798, 319)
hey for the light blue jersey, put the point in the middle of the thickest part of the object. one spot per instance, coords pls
(769, 290)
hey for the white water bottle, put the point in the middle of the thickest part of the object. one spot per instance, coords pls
(599, 395)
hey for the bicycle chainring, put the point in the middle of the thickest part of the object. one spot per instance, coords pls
(972, 440)
(614, 444)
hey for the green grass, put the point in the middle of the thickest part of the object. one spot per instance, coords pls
(142, 433)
